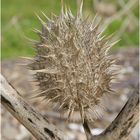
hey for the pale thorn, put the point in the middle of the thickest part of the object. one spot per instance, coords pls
(110, 36)
(86, 19)
(94, 20)
(30, 40)
(102, 38)
(94, 113)
(64, 23)
(47, 101)
(27, 58)
(81, 110)
(46, 71)
(55, 88)
(63, 102)
(36, 95)
(86, 98)
(110, 46)
(115, 42)
(33, 92)
(53, 16)
(36, 30)
(59, 40)
(61, 105)
(48, 29)
(44, 45)
(43, 22)
(102, 31)
(55, 97)
(102, 106)
(40, 94)
(46, 17)
(97, 112)
(69, 110)
(79, 12)
(99, 20)
(72, 110)
(44, 38)
(66, 11)
(62, 10)
(70, 13)
(96, 27)
(44, 99)
(48, 56)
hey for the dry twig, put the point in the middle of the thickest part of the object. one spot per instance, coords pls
(42, 129)
(39, 126)
(126, 120)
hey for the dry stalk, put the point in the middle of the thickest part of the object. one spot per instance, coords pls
(126, 120)
(38, 125)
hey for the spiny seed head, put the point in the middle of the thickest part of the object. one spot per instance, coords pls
(72, 64)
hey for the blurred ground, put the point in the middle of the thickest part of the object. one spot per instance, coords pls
(19, 76)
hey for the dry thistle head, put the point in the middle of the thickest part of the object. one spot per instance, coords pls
(72, 64)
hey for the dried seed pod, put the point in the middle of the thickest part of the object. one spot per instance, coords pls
(72, 64)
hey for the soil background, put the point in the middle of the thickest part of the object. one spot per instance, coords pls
(21, 78)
